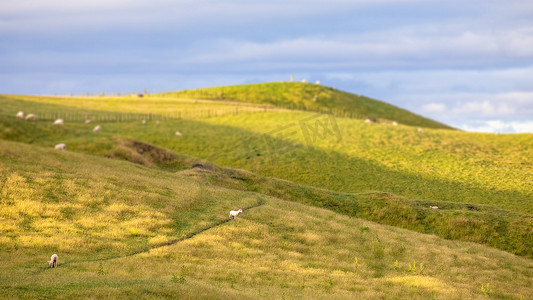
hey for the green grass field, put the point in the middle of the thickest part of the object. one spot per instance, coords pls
(334, 207)
(307, 96)
(127, 231)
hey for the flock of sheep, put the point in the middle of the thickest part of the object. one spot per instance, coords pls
(394, 123)
(20, 115)
(60, 122)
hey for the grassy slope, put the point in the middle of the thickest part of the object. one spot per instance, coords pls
(96, 214)
(437, 165)
(301, 96)
(109, 108)
(411, 165)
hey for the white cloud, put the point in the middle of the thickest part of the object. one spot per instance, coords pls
(481, 104)
(390, 48)
(434, 108)
(495, 126)
(68, 16)
(485, 108)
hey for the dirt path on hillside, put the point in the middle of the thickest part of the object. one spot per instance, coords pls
(186, 237)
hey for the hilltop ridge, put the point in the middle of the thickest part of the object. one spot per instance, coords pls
(310, 97)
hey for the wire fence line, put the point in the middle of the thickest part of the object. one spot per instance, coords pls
(103, 116)
(229, 96)
(128, 117)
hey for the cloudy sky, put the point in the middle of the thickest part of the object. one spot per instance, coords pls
(465, 63)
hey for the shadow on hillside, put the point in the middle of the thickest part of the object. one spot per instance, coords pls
(266, 155)
(276, 157)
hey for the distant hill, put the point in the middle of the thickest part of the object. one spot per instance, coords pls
(311, 97)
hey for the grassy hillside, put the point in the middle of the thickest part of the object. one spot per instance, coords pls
(484, 224)
(122, 230)
(126, 108)
(307, 96)
(481, 172)
(437, 165)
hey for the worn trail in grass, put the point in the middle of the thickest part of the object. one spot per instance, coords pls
(479, 170)
(279, 249)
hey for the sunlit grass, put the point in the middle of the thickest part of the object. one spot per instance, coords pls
(158, 229)
(307, 96)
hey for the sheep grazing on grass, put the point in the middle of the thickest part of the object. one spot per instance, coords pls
(20, 115)
(178, 133)
(60, 147)
(157, 123)
(420, 130)
(87, 121)
(30, 117)
(368, 121)
(97, 128)
(434, 207)
(143, 121)
(58, 122)
(304, 81)
(234, 213)
(53, 261)
(317, 82)
(394, 123)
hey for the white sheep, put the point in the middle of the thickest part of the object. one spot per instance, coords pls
(234, 213)
(304, 81)
(318, 82)
(394, 123)
(53, 261)
(367, 121)
(143, 121)
(30, 117)
(97, 128)
(157, 123)
(60, 147)
(88, 121)
(20, 115)
(58, 122)
(178, 133)
(434, 207)
(420, 130)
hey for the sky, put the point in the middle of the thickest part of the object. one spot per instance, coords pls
(466, 63)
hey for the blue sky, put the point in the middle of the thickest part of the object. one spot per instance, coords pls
(465, 63)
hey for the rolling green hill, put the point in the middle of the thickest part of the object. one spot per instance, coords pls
(152, 220)
(311, 97)
(126, 231)
(486, 209)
